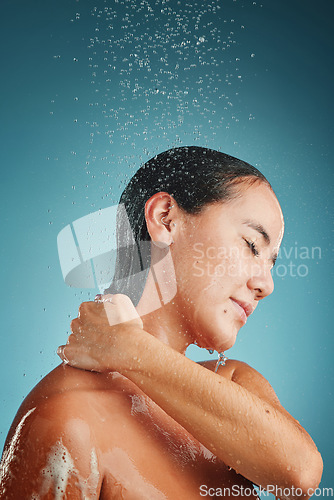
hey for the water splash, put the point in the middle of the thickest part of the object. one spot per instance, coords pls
(221, 360)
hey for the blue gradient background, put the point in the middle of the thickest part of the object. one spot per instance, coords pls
(80, 112)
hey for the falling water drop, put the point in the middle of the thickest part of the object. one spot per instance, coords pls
(221, 360)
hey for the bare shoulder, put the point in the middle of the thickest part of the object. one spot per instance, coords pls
(59, 396)
(243, 374)
(52, 446)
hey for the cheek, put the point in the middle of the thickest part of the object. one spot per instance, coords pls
(221, 272)
(202, 268)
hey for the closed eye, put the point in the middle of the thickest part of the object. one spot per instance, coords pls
(252, 247)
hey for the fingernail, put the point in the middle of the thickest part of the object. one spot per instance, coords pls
(104, 298)
(61, 354)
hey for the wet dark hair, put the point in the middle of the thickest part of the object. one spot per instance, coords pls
(195, 177)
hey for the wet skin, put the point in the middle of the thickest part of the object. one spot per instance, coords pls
(95, 435)
(141, 451)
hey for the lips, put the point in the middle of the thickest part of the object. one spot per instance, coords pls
(244, 309)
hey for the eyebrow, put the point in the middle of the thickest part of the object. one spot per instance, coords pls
(260, 229)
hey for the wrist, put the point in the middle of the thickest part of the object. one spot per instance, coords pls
(134, 350)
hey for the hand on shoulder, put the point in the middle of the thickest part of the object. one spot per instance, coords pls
(101, 334)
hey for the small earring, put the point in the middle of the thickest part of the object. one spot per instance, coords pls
(163, 221)
(170, 207)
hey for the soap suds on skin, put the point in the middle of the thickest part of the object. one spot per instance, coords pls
(94, 477)
(57, 471)
(190, 452)
(138, 405)
(59, 468)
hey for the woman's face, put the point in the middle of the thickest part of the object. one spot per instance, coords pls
(222, 260)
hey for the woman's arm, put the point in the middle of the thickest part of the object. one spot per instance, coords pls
(250, 434)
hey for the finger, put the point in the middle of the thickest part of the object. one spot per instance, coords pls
(72, 339)
(120, 317)
(75, 325)
(78, 358)
(120, 298)
(86, 309)
(124, 311)
(104, 298)
(61, 354)
(125, 303)
(67, 354)
(84, 306)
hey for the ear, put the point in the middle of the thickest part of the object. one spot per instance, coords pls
(160, 213)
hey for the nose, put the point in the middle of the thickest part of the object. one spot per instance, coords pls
(261, 282)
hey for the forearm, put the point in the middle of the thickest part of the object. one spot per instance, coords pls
(245, 432)
(249, 432)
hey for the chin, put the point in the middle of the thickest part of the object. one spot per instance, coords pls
(227, 345)
(227, 341)
(220, 341)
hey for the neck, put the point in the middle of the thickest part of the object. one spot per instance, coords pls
(161, 319)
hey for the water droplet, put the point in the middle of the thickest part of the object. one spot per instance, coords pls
(221, 361)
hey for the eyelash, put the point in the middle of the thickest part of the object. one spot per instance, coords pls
(252, 246)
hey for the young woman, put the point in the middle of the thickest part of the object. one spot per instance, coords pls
(198, 233)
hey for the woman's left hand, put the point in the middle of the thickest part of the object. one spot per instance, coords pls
(103, 334)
